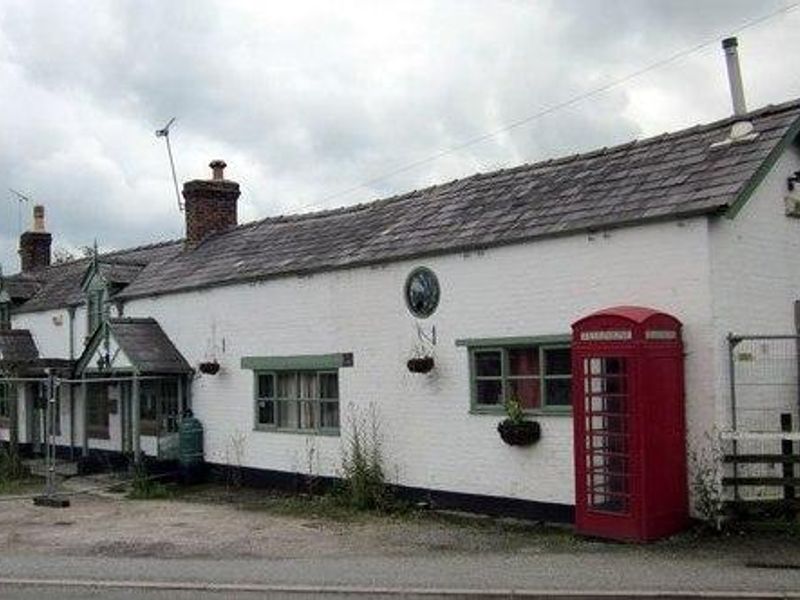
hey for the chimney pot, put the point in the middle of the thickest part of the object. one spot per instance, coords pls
(211, 205)
(217, 168)
(38, 218)
(34, 245)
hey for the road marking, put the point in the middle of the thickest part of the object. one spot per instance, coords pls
(387, 591)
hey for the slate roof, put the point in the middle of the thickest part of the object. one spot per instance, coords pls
(147, 346)
(17, 345)
(119, 272)
(59, 285)
(670, 176)
(21, 288)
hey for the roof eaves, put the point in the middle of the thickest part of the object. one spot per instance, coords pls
(711, 210)
(764, 168)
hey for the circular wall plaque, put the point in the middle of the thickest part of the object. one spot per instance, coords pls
(422, 292)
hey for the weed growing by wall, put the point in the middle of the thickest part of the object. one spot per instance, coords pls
(11, 467)
(363, 476)
(145, 487)
(706, 468)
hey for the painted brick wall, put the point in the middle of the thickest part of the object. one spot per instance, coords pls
(431, 439)
(535, 289)
(755, 273)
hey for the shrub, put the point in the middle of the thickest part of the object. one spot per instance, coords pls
(11, 467)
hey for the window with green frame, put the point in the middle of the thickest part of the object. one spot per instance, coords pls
(5, 404)
(538, 376)
(95, 309)
(302, 401)
(158, 406)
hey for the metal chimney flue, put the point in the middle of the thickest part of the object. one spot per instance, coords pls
(730, 46)
(742, 130)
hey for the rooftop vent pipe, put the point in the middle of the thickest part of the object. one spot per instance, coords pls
(742, 130)
(731, 47)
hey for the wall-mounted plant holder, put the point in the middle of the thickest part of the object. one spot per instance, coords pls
(524, 433)
(210, 367)
(423, 364)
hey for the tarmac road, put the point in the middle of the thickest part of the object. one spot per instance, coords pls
(376, 577)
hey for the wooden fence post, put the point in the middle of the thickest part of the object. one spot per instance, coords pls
(787, 450)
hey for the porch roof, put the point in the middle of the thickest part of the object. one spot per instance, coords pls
(147, 346)
(142, 341)
(17, 345)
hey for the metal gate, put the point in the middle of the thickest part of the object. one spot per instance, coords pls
(760, 449)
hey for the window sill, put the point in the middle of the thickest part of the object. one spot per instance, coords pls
(541, 412)
(99, 436)
(324, 433)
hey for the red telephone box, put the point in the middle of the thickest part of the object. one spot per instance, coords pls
(630, 431)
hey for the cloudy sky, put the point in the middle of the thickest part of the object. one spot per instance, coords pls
(307, 101)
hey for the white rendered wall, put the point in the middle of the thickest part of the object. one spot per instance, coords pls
(431, 439)
(51, 333)
(755, 270)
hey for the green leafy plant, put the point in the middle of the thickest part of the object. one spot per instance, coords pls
(11, 467)
(363, 476)
(514, 411)
(705, 467)
(515, 429)
(146, 487)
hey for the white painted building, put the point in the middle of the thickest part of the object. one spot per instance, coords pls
(308, 319)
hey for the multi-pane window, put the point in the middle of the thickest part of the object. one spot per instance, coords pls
(52, 420)
(5, 404)
(298, 401)
(158, 406)
(98, 408)
(95, 309)
(538, 377)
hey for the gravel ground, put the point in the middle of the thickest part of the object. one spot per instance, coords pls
(249, 535)
(112, 526)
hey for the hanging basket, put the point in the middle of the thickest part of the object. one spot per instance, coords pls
(525, 433)
(420, 365)
(209, 367)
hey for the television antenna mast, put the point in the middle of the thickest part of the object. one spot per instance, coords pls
(164, 132)
(20, 199)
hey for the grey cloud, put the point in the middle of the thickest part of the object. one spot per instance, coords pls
(305, 101)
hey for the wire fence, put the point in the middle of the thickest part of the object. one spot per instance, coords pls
(764, 399)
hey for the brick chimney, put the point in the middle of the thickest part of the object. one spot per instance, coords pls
(34, 245)
(211, 205)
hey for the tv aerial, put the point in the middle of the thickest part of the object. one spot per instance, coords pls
(20, 199)
(164, 132)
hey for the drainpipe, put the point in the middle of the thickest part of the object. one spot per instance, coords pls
(135, 419)
(71, 320)
(13, 431)
(85, 416)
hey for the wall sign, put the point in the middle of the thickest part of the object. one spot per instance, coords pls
(422, 292)
(606, 335)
